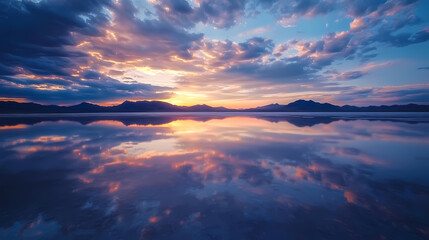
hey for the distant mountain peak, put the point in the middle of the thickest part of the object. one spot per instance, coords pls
(201, 105)
(85, 104)
(126, 102)
(302, 100)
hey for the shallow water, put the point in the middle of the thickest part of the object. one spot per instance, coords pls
(214, 176)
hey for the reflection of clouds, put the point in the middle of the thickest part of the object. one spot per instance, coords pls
(39, 228)
(353, 154)
(18, 126)
(200, 180)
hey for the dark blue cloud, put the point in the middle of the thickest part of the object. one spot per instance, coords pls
(29, 45)
(35, 35)
(402, 39)
(285, 71)
(311, 8)
(256, 47)
(347, 75)
(221, 14)
(95, 88)
(303, 8)
(358, 8)
(418, 94)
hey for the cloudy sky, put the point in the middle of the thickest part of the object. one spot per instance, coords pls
(233, 53)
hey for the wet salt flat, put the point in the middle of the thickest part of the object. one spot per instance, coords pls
(214, 176)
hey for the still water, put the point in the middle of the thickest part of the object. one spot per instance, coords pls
(214, 176)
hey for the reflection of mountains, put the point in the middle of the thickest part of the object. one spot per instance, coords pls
(126, 120)
(296, 120)
(309, 121)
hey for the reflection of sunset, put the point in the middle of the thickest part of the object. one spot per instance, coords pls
(45, 139)
(113, 187)
(108, 122)
(171, 171)
(153, 219)
(351, 197)
(20, 126)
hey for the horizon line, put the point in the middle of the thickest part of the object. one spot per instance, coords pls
(202, 104)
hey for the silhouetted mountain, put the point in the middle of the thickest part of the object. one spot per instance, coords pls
(144, 106)
(14, 107)
(395, 108)
(85, 107)
(298, 106)
(268, 108)
(312, 106)
(158, 106)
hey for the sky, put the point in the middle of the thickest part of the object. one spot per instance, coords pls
(232, 53)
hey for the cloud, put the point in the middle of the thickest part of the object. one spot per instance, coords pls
(256, 47)
(355, 74)
(225, 14)
(220, 14)
(94, 88)
(218, 55)
(365, 35)
(109, 30)
(387, 95)
(134, 38)
(295, 8)
(403, 39)
(255, 31)
(286, 71)
(349, 75)
(27, 43)
(361, 7)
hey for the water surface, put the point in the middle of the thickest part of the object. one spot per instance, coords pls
(214, 176)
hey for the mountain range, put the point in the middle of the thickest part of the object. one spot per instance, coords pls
(159, 106)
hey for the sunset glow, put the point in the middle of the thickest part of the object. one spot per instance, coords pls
(236, 54)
